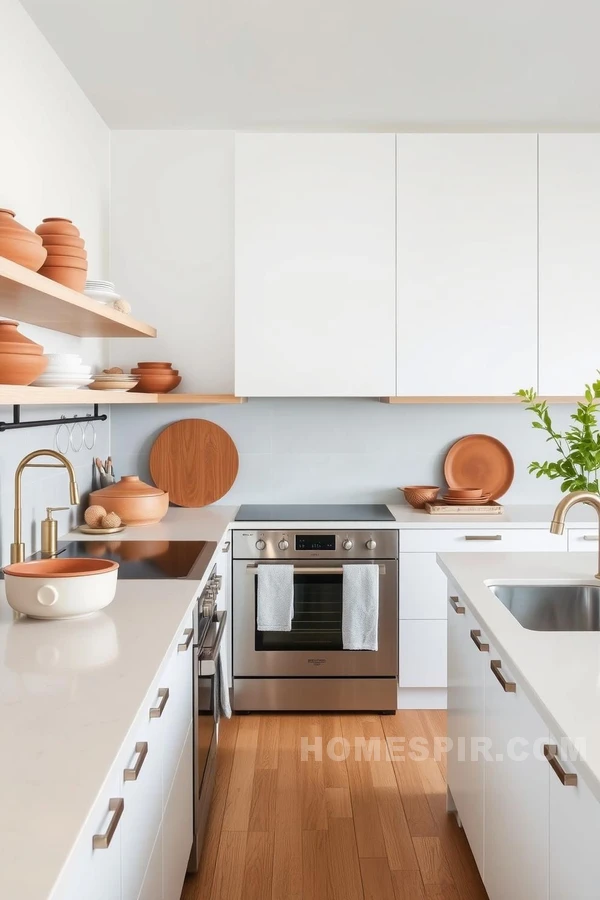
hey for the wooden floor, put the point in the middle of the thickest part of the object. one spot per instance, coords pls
(285, 829)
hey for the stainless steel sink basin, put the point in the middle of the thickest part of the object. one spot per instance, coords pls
(552, 607)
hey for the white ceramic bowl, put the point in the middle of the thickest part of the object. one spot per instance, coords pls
(83, 371)
(61, 588)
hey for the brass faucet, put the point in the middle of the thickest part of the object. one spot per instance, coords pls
(557, 525)
(17, 548)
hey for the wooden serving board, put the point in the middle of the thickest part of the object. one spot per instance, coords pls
(194, 460)
(440, 508)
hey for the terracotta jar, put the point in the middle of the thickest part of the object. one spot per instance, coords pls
(63, 250)
(135, 502)
(56, 225)
(21, 360)
(19, 244)
(66, 275)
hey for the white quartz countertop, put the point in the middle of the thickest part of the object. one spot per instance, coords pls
(559, 671)
(69, 693)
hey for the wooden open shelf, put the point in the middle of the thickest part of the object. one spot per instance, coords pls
(11, 395)
(30, 297)
(456, 400)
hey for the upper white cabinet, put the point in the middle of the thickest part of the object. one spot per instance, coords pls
(467, 263)
(315, 308)
(569, 261)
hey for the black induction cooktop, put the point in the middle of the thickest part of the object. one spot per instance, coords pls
(145, 559)
(314, 512)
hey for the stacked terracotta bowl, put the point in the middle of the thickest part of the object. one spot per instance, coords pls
(66, 262)
(19, 243)
(156, 378)
(21, 360)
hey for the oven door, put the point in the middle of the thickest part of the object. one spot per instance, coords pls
(314, 645)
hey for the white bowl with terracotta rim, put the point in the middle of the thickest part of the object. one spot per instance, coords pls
(60, 588)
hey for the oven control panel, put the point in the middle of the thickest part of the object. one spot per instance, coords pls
(322, 544)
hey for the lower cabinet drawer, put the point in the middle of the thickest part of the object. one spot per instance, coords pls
(476, 539)
(178, 824)
(423, 653)
(177, 713)
(585, 539)
(152, 888)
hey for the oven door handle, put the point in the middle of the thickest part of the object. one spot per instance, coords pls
(315, 570)
(207, 658)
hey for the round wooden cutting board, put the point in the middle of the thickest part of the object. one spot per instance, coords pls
(480, 461)
(194, 460)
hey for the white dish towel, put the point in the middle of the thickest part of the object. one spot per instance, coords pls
(275, 601)
(360, 607)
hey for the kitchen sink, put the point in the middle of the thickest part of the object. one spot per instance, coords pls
(552, 607)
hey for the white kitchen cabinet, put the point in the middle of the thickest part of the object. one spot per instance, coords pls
(422, 586)
(516, 793)
(467, 263)
(569, 226)
(94, 872)
(477, 539)
(574, 834)
(224, 571)
(176, 710)
(152, 888)
(423, 652)
(177, 831)
(584, 540)
(468, 655)
(315, 308)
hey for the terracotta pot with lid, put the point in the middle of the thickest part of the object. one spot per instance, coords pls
(19, 244)
(134, 501)
(21, 360)
(56, 225)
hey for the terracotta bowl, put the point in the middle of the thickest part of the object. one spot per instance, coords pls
(67, 275)
(55, 225)
(155, 365)
(61, 588)
(418, 495)
(65, 251)
(464, 493)
(157, 384)
(22, 368)
(63, 240)
(158, 372)
(133, 501)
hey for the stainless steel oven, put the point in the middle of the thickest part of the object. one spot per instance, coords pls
(210, 629)
(307, 668)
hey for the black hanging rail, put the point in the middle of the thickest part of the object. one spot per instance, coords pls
(40, 423)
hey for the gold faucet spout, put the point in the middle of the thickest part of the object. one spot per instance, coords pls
(17, 548)
(557, 525)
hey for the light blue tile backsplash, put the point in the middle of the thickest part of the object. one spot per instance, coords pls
(342, 450)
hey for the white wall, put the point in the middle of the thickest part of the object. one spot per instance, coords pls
(55, 161)
(172, 254)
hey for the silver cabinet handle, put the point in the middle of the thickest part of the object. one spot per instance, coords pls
(483, 537)
(225, 547)
(157, 711)
(189, 633)
(569, 779)
(132, 774)
(476, 638)
(116, 805)
(590, 537)
(509, 686)
(457, 609)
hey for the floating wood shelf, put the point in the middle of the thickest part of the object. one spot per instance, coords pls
(482, 400)
(11, 395)
(30, 297)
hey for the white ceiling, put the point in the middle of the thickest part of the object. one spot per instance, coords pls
(331, 63)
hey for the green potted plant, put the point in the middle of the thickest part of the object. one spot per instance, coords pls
(578, 447)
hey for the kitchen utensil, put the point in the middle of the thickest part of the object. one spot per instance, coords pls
(85, 529)
(153, 383)
(480, 459)
(418, 495)
(135, 502)
(195, 460)
(56, 225)
(119, 385)
(473, 501)
(60, 588)
(464, 493)
(19, 244)
(66, 275)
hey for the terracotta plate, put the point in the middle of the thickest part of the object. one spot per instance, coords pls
(480, 459)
